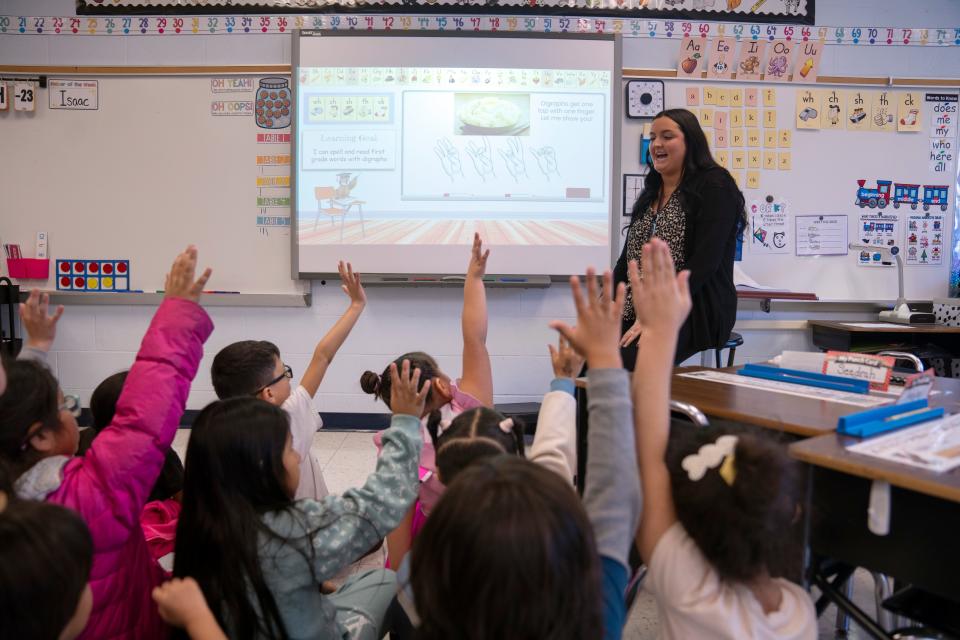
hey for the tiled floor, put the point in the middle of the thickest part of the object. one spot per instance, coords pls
(349, 457)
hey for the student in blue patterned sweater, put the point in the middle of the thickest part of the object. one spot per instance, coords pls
(258, 555)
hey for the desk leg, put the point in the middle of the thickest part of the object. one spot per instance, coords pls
(582, 430)
(852, 610)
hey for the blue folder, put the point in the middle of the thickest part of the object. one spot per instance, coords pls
(808, 378)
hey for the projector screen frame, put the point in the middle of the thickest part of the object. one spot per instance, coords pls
(445, 278)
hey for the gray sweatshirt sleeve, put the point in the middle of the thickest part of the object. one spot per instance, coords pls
(345, 526)
(612, 496)
(34, 354)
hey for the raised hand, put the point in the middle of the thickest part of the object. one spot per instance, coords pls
(404, 397)
(351, 284)
(180, 282)
(596, 336)
(567, 363)
(478, 258)
(662, 298)
(41, 327)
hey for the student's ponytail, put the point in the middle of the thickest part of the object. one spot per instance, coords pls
(379, 386)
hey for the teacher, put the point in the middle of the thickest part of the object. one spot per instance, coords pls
(694, 205)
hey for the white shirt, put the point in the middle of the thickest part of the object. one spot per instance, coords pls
(304, 422)
(693, 602)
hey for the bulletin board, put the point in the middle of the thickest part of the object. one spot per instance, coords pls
(150, 164)
(800, 151)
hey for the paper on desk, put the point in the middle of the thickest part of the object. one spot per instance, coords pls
(874, 325)
(741, 279)
(791, 388)
(933, 446)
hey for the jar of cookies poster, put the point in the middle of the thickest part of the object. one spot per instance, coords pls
(273, 103)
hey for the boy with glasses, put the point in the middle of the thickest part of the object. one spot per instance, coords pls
(254, 367)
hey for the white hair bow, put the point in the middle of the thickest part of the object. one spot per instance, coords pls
(709, 456)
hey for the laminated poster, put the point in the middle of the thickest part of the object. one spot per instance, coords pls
(769, 226)
(722, 52)
(808, 60)
(808, 108)
(833, 109)
(821, 235)
(924, 239)
(779, 57)
(877, 230)
(750, 62)
(692, 57)
(909, 117)
(858, 111)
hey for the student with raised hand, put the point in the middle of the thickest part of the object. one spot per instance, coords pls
(109, 486)
(612, 494)
(255, 368)
(716, 510)
(258, 555)
(447, 398)
(484, 432)
(510, 551)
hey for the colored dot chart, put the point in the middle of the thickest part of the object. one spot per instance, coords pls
(93, 275)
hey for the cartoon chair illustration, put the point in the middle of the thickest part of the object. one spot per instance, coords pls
(336, 207)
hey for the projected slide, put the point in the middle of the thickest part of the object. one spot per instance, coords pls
(409, 156)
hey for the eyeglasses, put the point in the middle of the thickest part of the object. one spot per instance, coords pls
(287, 373)
(71, 404)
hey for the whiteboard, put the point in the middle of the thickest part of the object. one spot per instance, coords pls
(825, 166)
(149, 171)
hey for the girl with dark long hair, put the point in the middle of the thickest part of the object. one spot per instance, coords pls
(694, 205)
(258, 555)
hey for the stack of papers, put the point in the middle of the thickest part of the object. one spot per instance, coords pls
(933, 446)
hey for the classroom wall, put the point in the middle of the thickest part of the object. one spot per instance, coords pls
(95, 341)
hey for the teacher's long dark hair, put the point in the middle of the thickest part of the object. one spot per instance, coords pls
(696, 161)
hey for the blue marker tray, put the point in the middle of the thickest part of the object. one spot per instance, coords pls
(808, 378)
(873, 422)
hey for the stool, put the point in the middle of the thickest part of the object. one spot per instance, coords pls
(735, 340)
(525, 412)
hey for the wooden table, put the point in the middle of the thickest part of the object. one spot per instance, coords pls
(854, 336)
(800, 416)
(921, 547)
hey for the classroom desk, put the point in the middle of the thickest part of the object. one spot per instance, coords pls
(921, 548)
(853, 336)
(796, 415)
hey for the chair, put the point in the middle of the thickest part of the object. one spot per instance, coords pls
(735, 340)
(336, 208)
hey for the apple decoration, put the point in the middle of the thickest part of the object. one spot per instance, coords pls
(689, 65)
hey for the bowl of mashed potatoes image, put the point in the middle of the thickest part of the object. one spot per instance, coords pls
(505, 114)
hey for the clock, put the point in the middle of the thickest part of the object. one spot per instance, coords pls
(644, 98)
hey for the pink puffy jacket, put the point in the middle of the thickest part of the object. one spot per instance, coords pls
(110, 485)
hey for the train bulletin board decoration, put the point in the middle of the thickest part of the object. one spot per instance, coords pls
(902, 193)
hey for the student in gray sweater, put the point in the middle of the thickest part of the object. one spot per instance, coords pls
(259, 556)
(510, 551)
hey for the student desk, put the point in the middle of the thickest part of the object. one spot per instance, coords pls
(798, 416)
(854, 336)
(921, 548)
